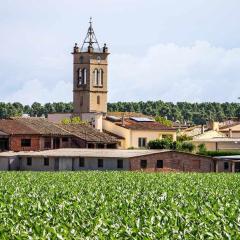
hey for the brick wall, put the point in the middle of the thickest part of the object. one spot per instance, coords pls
(15, 143)
(174, 161)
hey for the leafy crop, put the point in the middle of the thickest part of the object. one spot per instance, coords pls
(119, 205)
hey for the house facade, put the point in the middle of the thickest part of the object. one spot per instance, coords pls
(136, 132)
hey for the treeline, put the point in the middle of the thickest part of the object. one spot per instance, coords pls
(197, 113)
(35, 110)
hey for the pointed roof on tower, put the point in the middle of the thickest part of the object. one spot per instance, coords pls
(90, 40)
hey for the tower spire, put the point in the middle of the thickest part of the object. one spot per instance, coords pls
(90, 38)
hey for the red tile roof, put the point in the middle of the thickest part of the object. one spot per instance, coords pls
(134, 125)
(10, 126)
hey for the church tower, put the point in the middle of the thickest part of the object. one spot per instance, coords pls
(90, 76)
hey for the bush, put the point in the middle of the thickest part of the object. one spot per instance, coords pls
(165, 143)
(219, 153)
(202, 148)
(187, 147)
(183, 138)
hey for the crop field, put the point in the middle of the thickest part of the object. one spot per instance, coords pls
(119, 205)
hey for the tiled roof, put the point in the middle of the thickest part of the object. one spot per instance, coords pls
(126, 114)
(88, 133)
(42, 126)
(11, 126)
(131, 124)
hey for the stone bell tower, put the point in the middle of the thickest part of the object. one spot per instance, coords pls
(90, 76)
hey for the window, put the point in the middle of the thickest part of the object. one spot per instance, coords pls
(119, 163)
(82, 76)
(100, 80)
(142, 142)
(46, 161)
(29, 161)
(159, 163)
(47, 143)
(143, 163)
(81, 59)
(65, 139)
(95, 77)
(26, 142)
(226, 165)
(81, 162)
(100, 163)
(98, 99)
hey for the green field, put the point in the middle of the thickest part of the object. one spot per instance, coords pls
(119, 205)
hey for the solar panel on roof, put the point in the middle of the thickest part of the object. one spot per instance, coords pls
(141, 119)
(113, 118)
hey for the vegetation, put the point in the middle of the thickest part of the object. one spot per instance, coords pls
(74, 120)
(219, 153)
(196, 113)
(163, 121)
(119, 205)
(168, 143)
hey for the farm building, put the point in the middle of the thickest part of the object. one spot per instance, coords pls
(34, 134)
(110, 159)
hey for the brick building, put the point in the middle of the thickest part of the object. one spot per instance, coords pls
(34, 134)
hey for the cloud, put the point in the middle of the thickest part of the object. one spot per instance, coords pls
(169, 72)
(35, 91)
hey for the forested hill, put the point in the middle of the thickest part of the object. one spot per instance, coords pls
(195, 112)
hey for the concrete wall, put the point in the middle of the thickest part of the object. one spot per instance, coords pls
(120, 131)
(67, 164)
(221, 146)
(4, 163)
(174, 161)
(37, 164)
(108, 164)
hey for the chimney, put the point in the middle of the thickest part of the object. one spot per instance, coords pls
(230, 133)
(202, 129)
(123, 122)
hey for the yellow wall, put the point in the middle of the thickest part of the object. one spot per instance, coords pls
(221, 146)
(131, 136)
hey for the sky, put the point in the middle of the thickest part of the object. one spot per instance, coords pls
(166, 50)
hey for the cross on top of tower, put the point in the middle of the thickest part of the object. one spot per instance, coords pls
(90, 40)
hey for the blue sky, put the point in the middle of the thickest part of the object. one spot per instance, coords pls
(160, 49)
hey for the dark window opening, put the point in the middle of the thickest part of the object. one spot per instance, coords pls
(65, 139)
(226, 165)
(159, 163)
(100, 145)
(142, 142)
(26, 142)
(47, 143)
(143, 163)
(29, 161)
(81, 162)
(90, 145)
(100, 163)
(98, 99)
(119, 163)
(46, 161)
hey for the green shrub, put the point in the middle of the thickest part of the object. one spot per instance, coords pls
(165, 143)
(187, 147)
(219, 153)
(202, 148)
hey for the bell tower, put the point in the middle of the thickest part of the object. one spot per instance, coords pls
(90, 75)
